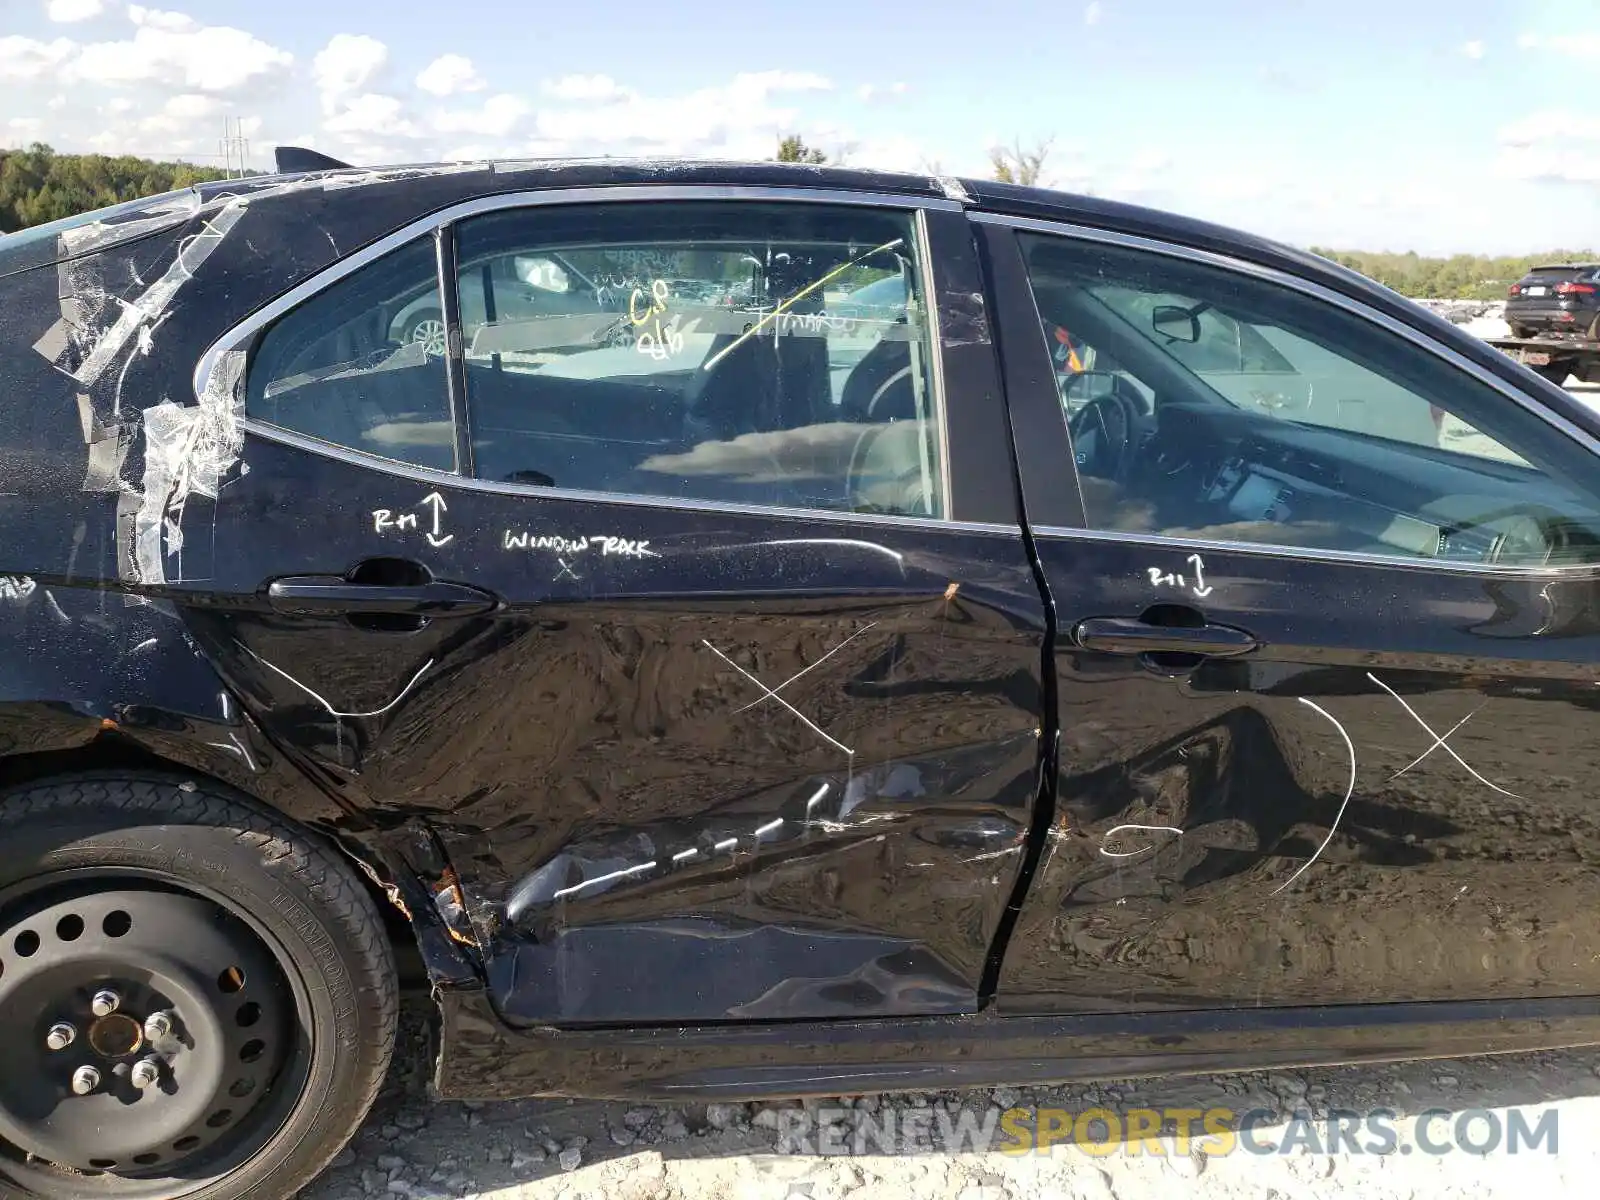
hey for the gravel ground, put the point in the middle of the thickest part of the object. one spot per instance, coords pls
(559, 1150)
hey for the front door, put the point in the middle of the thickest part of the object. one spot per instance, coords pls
(1326, 625)
(684, 602)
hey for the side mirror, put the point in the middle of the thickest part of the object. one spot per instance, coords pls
(1176, 324)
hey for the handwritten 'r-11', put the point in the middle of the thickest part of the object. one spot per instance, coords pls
(1160, 578)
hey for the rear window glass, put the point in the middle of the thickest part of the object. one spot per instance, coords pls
(361, 364)
(750, 353)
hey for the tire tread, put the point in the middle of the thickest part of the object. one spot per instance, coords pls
(315, 865)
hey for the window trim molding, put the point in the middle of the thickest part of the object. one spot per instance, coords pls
(440, 226)
(935, 349)
(444, 244)
(1356, 308)
(1163, 541)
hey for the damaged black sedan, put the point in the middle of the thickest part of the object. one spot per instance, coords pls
(725, 630)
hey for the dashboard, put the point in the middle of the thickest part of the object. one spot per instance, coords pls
(1264, 479)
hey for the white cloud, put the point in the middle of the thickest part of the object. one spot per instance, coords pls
(518, 149)
(67, 12)
(886, 154)
(372, 115)
(56, 102)
(589, 88)
(156, 18)
(736, 120)
(448, 75)
(1548, 164)
(1093, 13)
(1550, 125)
(1574, 45)
(119, 104)
(346, 66)
(25, 128)
(27, 59)
(191, 106)
(1474, 49)
(761, 82)
(497, 118)
(869, 92)
(1556, 145)
(187, 114)
(1141, 178)
(173, 50)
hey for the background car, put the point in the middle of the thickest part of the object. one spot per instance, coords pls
(520, 287)
(1562, 298)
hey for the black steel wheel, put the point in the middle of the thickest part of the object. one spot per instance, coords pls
(201, 1000)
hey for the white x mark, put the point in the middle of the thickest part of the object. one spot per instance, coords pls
(566, 571)
(772, 693)
(1439, 742)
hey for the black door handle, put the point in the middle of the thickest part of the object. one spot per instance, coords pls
(332, 595)
(1130, 635)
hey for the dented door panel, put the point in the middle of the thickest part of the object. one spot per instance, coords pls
(1388, 801)
(743, 766)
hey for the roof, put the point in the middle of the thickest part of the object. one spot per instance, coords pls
(353, 207)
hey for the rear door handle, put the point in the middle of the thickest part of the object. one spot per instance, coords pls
(1129, 635)
(331, 595)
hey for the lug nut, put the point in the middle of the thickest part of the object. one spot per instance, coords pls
(105, 1003)
(146, 1073)
(157, 1026)
(84, 1081)
(61, 1036)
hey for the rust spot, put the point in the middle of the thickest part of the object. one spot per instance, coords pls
(116, 1036)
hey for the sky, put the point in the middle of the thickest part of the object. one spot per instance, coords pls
(1439, 126)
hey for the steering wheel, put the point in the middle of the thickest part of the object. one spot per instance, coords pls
(1105, 433)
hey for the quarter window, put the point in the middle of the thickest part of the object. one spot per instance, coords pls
(361, 364)
(773, 354)
(1210, 404)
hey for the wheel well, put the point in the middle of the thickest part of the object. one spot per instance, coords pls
(112, 754)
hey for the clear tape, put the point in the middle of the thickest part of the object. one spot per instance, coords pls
(188, 450)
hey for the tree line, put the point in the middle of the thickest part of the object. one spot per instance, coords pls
(38, 185)
(1458, 277)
